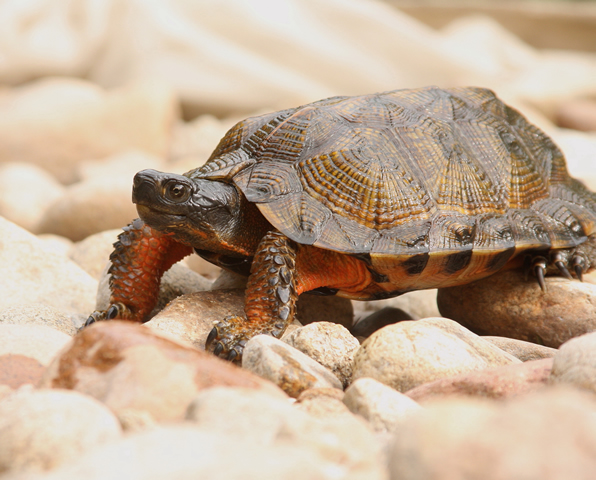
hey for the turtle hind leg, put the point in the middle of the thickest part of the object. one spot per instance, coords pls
(564, 262)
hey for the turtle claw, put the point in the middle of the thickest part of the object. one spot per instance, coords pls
(563, 269)
(578, 266)
(115, 310)
(227, 339)
(539, 271)
(539, 265)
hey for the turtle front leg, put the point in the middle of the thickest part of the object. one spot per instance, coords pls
(271, 296)
(140, 257)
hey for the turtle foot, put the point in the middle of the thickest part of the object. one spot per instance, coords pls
(114, 311)
(564, 262)
(228, 338)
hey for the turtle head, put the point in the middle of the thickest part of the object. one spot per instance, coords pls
(198, 212)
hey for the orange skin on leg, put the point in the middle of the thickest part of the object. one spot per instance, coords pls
(312, 268)
(140, 258)
(316, 268)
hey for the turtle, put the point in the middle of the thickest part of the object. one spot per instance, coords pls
(366, 197)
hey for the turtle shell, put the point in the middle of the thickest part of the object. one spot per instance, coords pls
(407, 173)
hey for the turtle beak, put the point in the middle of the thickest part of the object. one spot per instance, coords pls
(146, 187)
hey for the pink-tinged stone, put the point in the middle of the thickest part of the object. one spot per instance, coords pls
(500, 382)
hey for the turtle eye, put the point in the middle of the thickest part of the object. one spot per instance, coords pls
(177, 192)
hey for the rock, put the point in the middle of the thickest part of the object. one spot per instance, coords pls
(285, 366)
(547, 434)
(523, 350)
(133, 420)
(17, 370)
(229, 280)
(317, 308)
(193, 142)
(191, 317)
(575, 363)
(178, 280)
(417, 304)
(383, 407)
(322, 403)
(57, 122)
(500, 382)
(506, 305)
(202, 267)
(89, 207)
(408, 354)
(247, 414)
(329, 344)
(43, 429)
(25, 192)
(186, 452)
(31, 274)
(366, 326)
(38, 314)
(128, 366)
(343, 440)
(579, 114)
(124, 164)
(55, 243)
(93, 253)
(25, 351)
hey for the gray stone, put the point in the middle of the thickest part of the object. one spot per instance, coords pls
(43, 429)
(410, 353)
(383, 407)
(290, 369)
(330, 344)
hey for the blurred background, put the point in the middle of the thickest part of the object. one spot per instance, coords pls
(93, 90)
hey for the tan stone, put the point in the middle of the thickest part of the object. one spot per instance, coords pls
(410, 353)
(506, 305)
(57, 122)
(29, 273)
(43, 429)
(131, 367)
(497, 383)
(25, 192)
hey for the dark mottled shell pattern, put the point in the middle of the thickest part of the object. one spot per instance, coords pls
(441, 181)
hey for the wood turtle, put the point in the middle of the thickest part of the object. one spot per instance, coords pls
(365, 197)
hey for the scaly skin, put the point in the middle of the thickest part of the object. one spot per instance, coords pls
(280, 272)
(140, 257)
